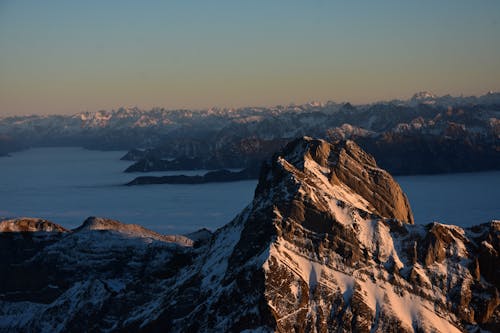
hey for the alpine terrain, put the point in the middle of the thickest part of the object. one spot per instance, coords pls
(328, 244)
(422, 135)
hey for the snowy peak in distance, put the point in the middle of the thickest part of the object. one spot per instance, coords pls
(428, 98)
(195, 132)
(423, 97)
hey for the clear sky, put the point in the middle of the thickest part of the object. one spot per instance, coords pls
(72, 56)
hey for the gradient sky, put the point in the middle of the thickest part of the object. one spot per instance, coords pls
(72, 56)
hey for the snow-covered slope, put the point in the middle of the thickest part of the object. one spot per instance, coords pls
(326, 245)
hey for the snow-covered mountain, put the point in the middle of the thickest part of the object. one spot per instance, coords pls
(127, 128)
(423, 97)
(425, 134)
(327, 244)
(426, 97)
(426, 138)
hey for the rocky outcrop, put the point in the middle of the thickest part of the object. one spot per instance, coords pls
(315, 251)
(98, 223)
(26, 224)
(347, 168)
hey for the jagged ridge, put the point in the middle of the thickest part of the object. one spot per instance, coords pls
(327, 244)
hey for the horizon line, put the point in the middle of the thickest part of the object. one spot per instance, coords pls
(227, 108)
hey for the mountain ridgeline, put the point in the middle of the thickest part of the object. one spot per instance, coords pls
(425, 134)
(328, 244)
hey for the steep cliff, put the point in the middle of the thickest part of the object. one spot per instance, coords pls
(327, 244)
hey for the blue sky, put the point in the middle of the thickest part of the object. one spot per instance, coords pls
(68, 56)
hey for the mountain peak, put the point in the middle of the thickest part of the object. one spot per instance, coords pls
(328, 228)
(100, 223)
(423, 95)
(93, 223)
(322, 247)
(340, 171)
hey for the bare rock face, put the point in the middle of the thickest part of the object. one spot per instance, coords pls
(346, 165)
(328, 244)
(345, 245)
(359, 171)
(27, 224)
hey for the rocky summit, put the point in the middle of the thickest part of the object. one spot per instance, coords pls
(328, 244)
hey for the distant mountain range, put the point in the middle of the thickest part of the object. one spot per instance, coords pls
(328, 244)
(425, 134)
